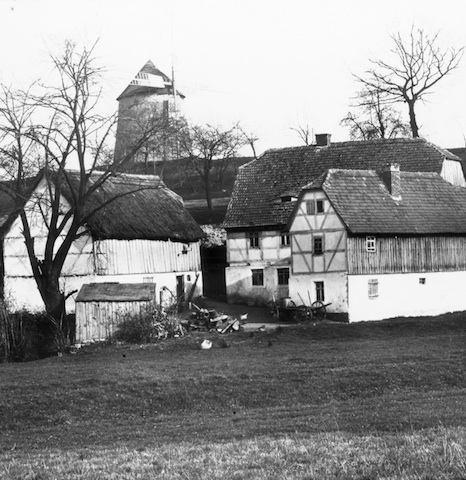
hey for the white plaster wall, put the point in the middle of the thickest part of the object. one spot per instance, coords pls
(335, 288)
(403, 295)
(241, 290)
(22, 292)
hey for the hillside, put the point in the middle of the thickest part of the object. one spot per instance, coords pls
(184, 180)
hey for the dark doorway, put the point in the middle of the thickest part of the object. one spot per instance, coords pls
(214, 262)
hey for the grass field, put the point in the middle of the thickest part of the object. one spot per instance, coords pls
(331, 400)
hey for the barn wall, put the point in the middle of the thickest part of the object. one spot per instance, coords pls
(411, 294)
(128, 257)
(407, 255)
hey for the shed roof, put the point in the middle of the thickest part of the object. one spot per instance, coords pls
(116, 292)
(429, 205)
(259, 183)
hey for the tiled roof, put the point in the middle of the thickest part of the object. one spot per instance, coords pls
(260, 182)
(429, 205)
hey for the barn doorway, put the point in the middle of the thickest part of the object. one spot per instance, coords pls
(180, 288)
(214, 262)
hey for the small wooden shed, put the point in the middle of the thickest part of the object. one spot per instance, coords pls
(101, 306)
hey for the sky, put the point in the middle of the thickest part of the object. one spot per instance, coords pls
(271, 65)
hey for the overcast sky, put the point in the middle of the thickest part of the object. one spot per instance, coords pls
(268, 64)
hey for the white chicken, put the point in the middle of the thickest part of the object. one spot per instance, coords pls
(206, 344)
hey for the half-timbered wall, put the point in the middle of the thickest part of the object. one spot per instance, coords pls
(327, 266)
(310, 224)
(269, 249)
(407, 255)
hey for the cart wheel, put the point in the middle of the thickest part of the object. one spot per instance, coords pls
(272, 312)
(319, 310)
(303, 314)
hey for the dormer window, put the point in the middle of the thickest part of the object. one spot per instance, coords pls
(286, 198)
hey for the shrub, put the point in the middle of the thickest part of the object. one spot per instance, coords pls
(147, 326)
(26, 336)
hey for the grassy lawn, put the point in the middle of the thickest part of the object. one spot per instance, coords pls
(370, 400)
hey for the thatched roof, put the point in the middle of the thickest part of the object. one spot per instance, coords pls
(133, 207)
(138, 207)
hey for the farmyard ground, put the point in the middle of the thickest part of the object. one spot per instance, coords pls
(330, 400)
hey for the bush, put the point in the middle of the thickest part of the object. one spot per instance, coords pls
(147, 326)
(26, 336)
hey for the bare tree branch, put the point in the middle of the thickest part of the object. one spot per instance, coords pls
(418, 66)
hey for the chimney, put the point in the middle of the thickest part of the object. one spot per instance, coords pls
(323, 139)
(392, 180)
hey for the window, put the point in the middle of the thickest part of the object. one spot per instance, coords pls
(422, 281)
(319, 206)
(373, 286)
(283, 276)
(315, 206)
(254, 239)
(285, 240)
(318, 246)
(320, 295)
(370, 245)
(310, 207)
(258, 277)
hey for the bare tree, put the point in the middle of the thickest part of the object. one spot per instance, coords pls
(211, 148)
(375, 118)
(54, 128)
(418, 66)
(250, 139)
(304, 133)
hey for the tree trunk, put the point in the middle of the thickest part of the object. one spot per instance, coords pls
(54, 299)
(412, 119)
(207, 184)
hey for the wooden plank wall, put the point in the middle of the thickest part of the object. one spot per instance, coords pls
(97, 321)
(407, 255)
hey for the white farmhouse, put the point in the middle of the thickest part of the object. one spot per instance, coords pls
(377, 245)
(259, 251)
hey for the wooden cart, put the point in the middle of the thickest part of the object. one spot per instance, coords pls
(292, 312)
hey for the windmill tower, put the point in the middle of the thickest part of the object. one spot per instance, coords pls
(150, 98)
